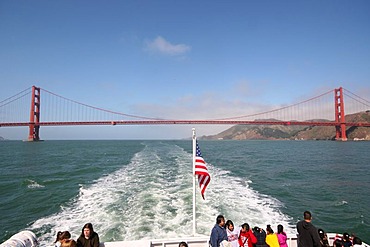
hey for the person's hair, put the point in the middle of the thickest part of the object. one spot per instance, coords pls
(62, 235)
(87, 225)
(346, 236)
(357, 240)
(321, 233)
(307, 215)
(183, 244)
(280, 229)
(338, 243)
(256, 229)
(68, 243)
(269, 229)
(245, 226)
(219, 218)
(58, 236)
(229, 223)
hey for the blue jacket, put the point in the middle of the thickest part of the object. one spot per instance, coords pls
(218, 234)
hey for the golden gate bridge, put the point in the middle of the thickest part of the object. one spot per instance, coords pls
(326, 109)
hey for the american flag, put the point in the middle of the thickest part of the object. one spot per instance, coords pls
(201, 171)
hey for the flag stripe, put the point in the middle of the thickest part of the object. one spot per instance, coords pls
(201, 171)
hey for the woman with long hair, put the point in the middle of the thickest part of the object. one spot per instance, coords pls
(232, 233)
(282, 237)
(88, 237)
(271, 238)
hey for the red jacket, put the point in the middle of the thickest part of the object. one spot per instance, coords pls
(247, 239)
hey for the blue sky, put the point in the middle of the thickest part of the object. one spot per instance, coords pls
(181, 59)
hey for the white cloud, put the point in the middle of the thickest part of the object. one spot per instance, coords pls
(160, 45)
(203, 106)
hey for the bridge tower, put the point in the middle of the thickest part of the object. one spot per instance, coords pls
(34, 127)
(340, 128)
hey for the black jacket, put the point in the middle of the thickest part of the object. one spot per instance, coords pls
(308, 235)
(93, 241)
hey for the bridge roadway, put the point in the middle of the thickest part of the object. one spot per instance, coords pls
(167, 122)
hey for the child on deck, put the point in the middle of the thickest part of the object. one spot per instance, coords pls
(246, 237)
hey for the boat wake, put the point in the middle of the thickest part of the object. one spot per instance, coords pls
(151, 197)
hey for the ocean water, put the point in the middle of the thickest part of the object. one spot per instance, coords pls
(141, 189)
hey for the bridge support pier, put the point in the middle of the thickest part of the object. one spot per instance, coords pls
(340, 128)
(34, 127)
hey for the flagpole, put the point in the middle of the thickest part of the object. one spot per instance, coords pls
(194, 213)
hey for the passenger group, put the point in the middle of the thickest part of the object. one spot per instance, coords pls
(88, 238)
(225, 234)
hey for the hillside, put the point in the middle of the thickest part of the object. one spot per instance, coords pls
(283, 132)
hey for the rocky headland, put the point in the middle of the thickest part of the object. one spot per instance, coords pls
(283, 132)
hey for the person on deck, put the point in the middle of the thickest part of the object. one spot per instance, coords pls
(61, 236)
(218, 233)
(88, 237)
(281, 235)
(271, 237)
(338, 242)
(324, 241)
(232, 233)
(261, 237)
(247, 238)
(183, 244)
(357, 242)
(346, 240)
(308, 235)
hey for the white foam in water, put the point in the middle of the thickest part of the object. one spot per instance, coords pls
(152, 198)
(33, 184)
(232, 197)
(341, 203)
